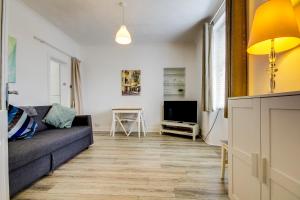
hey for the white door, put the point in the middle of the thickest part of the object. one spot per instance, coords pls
(59, 83)
(280, 130)
(4, 186)
(244, 149)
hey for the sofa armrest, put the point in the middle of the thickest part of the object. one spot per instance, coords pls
(82, 120)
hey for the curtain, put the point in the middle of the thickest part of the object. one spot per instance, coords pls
(76, 97)
(207, 102)
(236, 50)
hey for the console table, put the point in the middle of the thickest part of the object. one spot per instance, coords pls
(118, 117)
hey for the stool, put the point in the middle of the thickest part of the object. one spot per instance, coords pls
(224, 158)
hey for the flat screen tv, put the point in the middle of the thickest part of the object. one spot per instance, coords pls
(185, 111)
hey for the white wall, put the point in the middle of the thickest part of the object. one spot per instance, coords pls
(32, 56)
(102, 78)
(213, 121)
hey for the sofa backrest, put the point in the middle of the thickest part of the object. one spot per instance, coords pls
(41, 111)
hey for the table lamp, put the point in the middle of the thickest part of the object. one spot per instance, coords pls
(274, 30)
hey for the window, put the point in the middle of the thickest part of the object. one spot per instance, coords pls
(218, 63)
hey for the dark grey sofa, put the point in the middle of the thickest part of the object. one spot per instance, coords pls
(31, 159)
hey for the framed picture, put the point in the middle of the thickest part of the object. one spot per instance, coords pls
(131, 82)
(12, 64)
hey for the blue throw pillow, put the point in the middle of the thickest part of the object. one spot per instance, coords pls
(20, 125)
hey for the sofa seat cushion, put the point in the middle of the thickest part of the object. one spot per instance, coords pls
(23, 152)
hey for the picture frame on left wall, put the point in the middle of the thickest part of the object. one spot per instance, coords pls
(12, 59)
(131, 82)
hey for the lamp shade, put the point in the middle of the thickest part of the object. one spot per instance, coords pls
(123, 36)
(276, 20)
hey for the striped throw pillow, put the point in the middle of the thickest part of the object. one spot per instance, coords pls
(20, 125)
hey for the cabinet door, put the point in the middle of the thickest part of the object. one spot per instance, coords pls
(280, 130)
(244, 149)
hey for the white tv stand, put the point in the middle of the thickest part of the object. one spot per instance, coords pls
(180, 128)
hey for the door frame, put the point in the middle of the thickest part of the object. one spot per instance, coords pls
(51, 59)
(4, 172)
(65, 64)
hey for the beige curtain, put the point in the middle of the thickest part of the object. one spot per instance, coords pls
(76, 97)
(236, 48)
(207, 103)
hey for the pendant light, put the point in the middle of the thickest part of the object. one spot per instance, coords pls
(123, 36)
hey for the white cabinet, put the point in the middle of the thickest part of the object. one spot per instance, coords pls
(264, 147)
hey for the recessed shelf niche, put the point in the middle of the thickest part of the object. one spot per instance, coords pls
(174, 82)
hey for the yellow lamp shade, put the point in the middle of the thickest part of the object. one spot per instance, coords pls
(276, 20)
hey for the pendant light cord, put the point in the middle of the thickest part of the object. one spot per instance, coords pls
(123, 13)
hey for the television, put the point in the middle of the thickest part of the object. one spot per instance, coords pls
(182, 111)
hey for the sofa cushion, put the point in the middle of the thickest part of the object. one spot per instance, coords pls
(60, 116)
(30, 110)
(41, 113)
(20, 125)
(23, 152)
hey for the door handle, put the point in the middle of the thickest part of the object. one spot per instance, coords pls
(9, 92)
(14, 92)
(264, 166)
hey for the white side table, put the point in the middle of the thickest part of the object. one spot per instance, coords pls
(117, 117)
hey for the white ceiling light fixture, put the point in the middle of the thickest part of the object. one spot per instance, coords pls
(123, 36)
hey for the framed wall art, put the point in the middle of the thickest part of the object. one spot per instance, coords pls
(131, 82)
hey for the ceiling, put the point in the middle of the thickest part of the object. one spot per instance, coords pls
(93, 22)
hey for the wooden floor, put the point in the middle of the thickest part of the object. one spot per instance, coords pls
(126, 168)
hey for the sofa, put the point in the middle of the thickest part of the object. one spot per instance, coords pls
(31, 159)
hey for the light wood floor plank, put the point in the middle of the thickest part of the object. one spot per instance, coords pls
(127, 168)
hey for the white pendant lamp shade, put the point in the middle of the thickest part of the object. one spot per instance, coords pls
(123, 36)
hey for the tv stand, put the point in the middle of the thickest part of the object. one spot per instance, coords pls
(180, 128)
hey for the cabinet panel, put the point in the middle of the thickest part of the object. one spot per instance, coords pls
(280, 193)
(280, 133)
(244, 145)
(245, 186)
